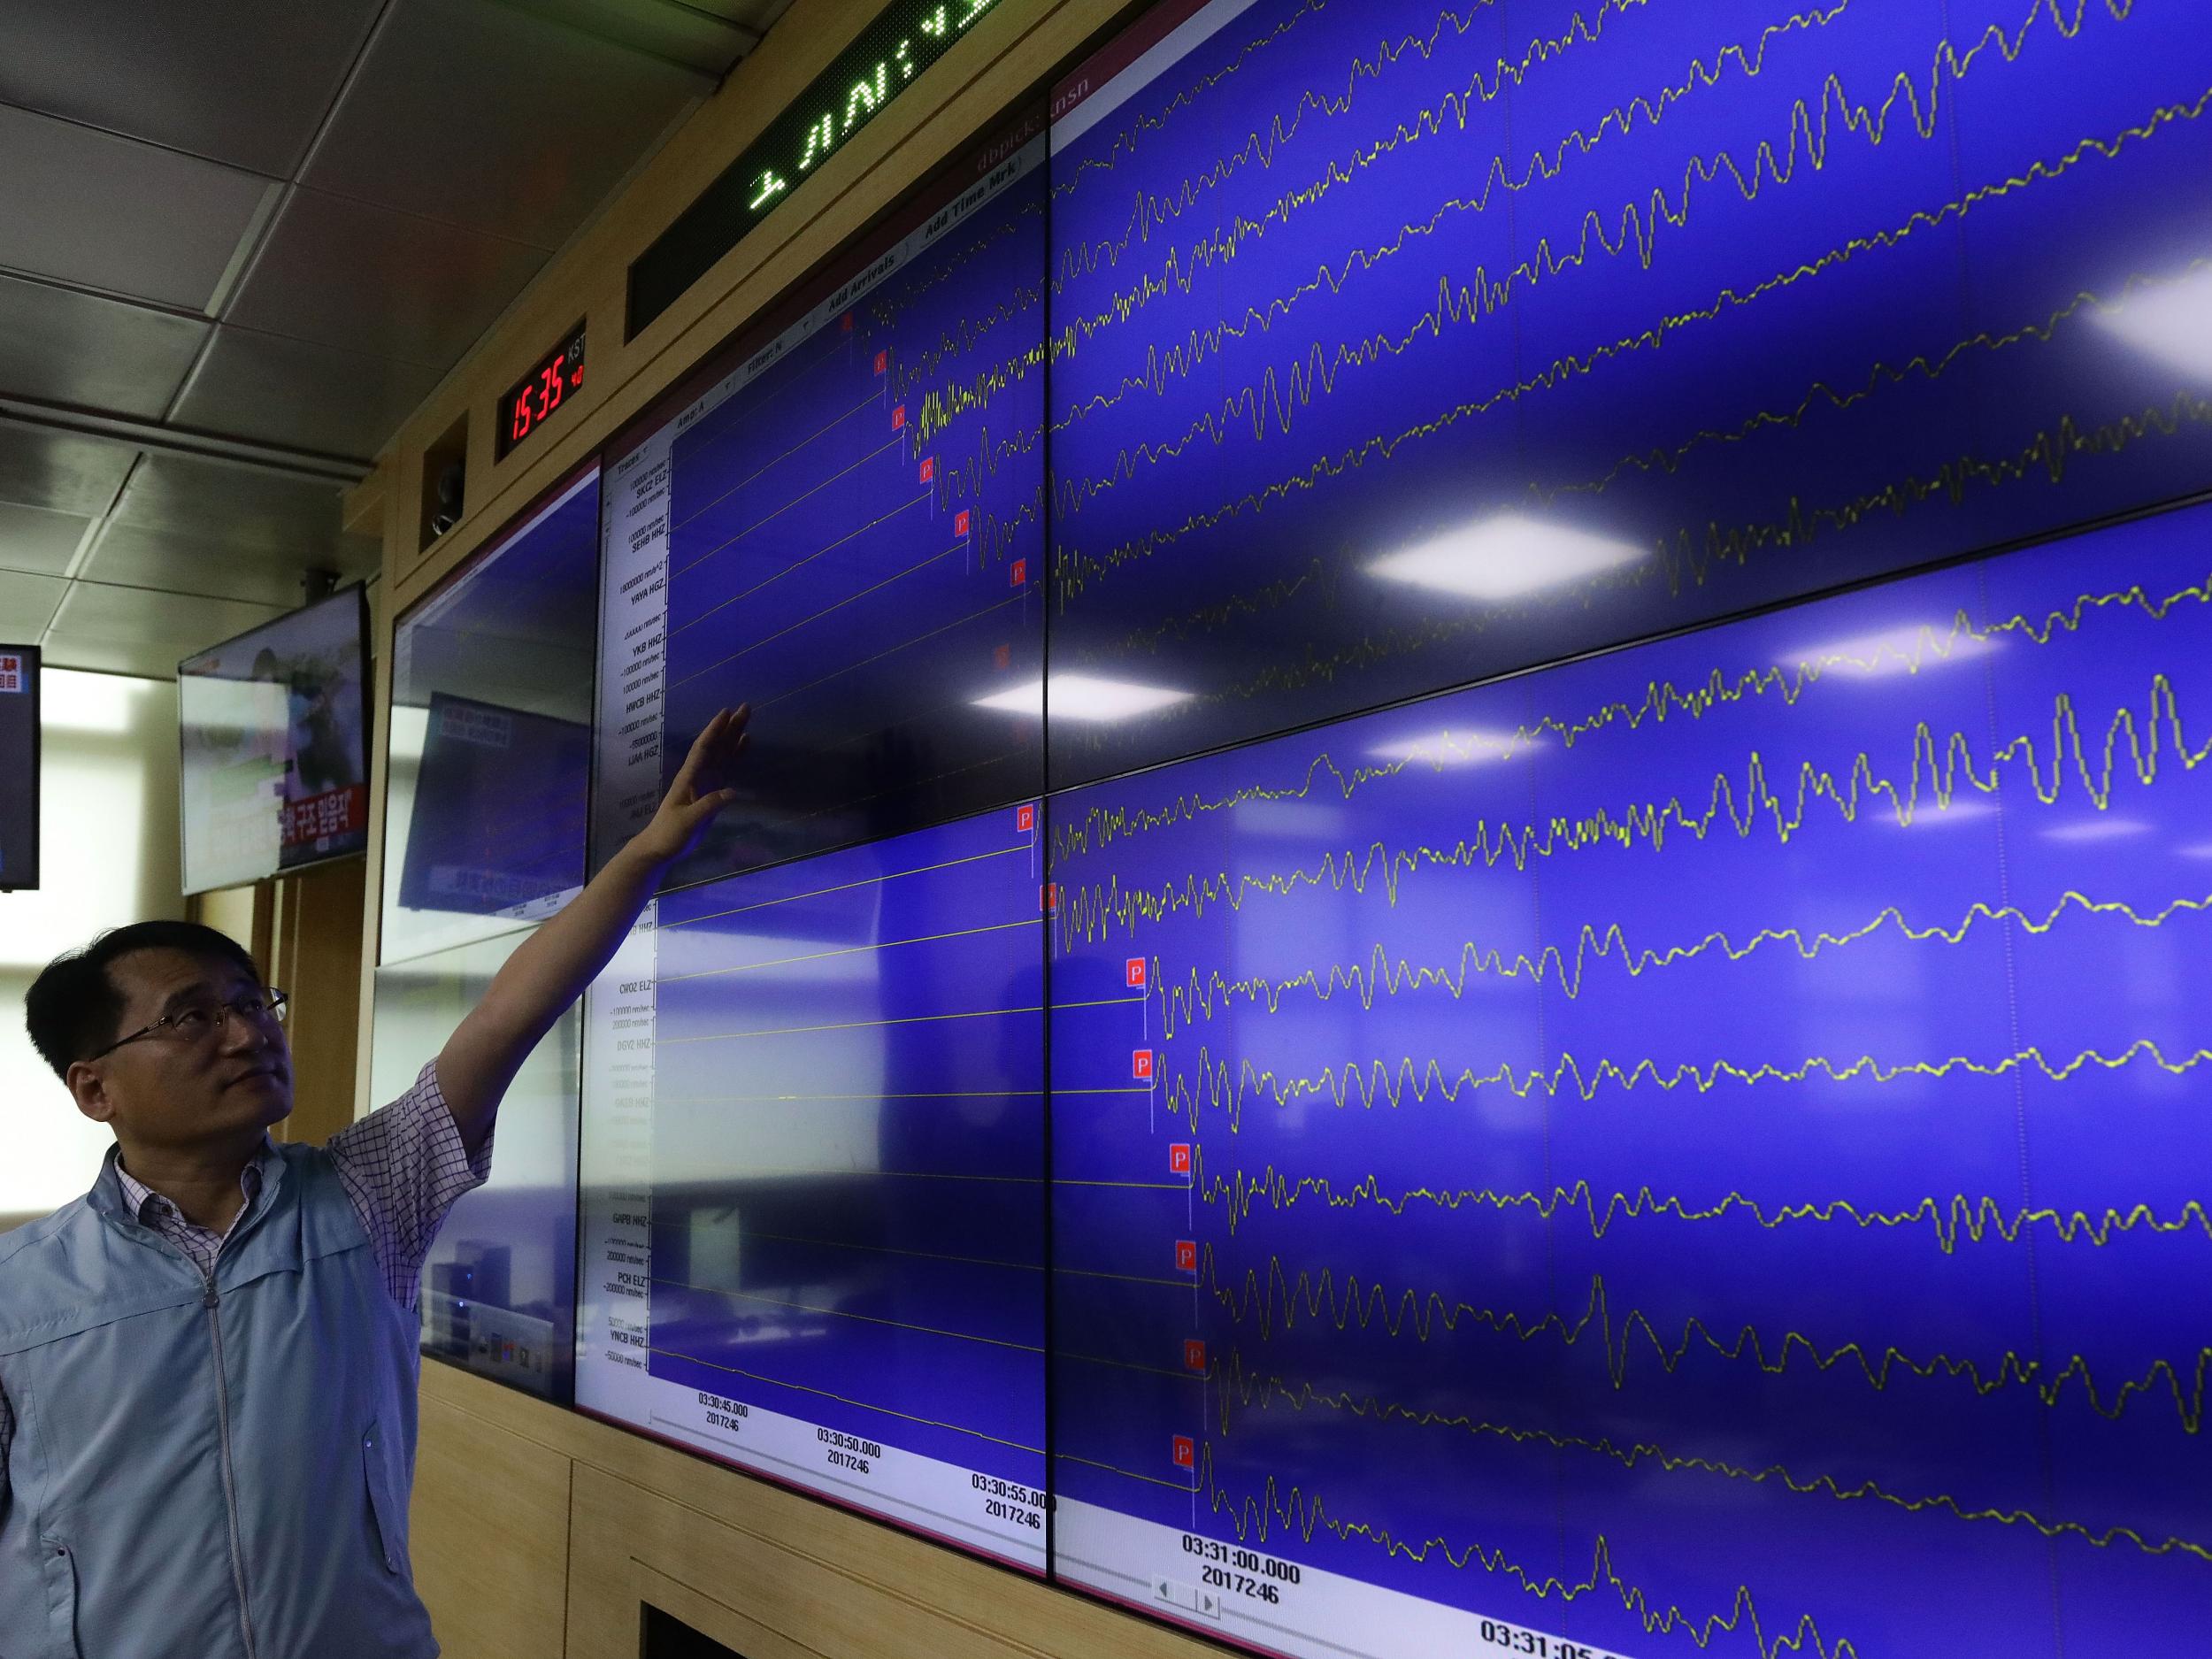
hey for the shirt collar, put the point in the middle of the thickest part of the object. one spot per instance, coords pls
(138, 1197)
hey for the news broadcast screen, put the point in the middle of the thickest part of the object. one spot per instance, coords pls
(274, 743)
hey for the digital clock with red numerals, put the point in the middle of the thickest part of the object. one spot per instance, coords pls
(557, 376)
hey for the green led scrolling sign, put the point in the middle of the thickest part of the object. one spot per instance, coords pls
(906, 39)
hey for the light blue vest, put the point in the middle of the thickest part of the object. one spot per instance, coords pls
(208, 1473)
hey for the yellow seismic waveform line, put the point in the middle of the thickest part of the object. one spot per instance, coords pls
(942, 406)
(1277, 1301)
(1125, 138)
(1813, 125)
(1252, 1391)
(1942, 770)
(996, 536)
(1286, 1509)
(1225, 1086)
(1077, 570)
(965, 338)
(1977, 1218)
(1181, 273)
(889, 309)
(1270, 403)
(1156, 208)
(1199, 997)
(1912, 650)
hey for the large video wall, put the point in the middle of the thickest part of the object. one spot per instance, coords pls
(1472, 909)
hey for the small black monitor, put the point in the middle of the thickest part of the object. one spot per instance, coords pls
(19, 767)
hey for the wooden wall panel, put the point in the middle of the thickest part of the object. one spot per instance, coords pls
(786, 1576)
(488, 1531)
(315, 954)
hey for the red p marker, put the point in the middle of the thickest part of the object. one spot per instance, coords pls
(1179, 1159)
(1185, 1451)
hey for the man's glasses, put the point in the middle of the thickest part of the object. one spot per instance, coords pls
(197, 1022)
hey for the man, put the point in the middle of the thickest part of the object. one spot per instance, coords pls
(208, 1365)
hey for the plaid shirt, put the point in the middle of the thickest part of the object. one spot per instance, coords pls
(404, 1166)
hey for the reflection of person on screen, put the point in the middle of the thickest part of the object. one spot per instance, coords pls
(211, 1357)
(319, 747)
(324, 756)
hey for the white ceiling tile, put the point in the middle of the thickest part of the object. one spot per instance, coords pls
(61, 471)
(61, 347)
(26, 605)
(701, 37)
(131, 630)
(219, 566)
(361, 277)
(35, 539)
(280, 390)
(246, 81)
(482, 116)
(248, 504)
(113, 213)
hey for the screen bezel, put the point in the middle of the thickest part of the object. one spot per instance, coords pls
(35, 664)
(359, 591)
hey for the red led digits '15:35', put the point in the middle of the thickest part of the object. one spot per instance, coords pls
(532, 400)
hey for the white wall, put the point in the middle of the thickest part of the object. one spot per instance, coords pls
(108, 828)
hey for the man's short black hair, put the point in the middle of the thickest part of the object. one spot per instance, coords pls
(73, 1009)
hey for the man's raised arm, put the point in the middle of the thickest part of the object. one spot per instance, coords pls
(552, 967)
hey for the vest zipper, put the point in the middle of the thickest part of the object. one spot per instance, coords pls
(230, 1484)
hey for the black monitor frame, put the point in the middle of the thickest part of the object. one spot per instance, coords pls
(35, 666)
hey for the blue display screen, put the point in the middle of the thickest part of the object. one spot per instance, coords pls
(854, 542)
(487, 808)
(1477, 858)
(1698, 1144)
(844, 1103)
(499, 818)
(1396, 345)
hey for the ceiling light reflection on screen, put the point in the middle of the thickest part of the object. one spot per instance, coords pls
(1448, 748)
(1906, 650)
(1503, 557)
(1085, 697)
(2171, 321)
(2098, 829)
(1929, 816)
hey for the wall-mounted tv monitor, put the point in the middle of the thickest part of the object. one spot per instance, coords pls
(19, 767)
(275, 739)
